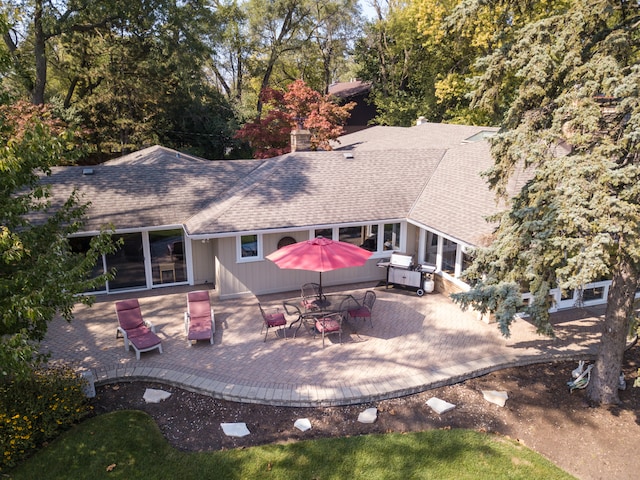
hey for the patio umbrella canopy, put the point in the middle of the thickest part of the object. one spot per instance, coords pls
(320, 255)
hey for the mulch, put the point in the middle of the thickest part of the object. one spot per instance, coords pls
(541, 413)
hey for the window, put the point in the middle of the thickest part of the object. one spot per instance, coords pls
(431, 254)
(285, 242)
(449, 248)
(392, 236)
(353, 235)
(567, 295)
(249, 247)
(371, 241)
(467, 260)
(375, 238)
(128, 262)
(81, 245)
(596, 293)
(324, 232)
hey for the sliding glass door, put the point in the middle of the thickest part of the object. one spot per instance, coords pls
(81, 245)
(168, 264)
(128, 262)
(143, 259)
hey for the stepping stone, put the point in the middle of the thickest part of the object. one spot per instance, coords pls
(368, 416)
(89, 387)
(235, 429)
(302, 424)
(440, 406)
(151, 395)
(499, 398)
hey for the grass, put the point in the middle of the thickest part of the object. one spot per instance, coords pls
(132, 444)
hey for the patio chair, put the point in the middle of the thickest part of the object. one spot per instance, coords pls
(136, 332)
(310, 293)
(365, 310)
(348, 303)
(328, 324)
(199, 320)
(272, 320)
(301, 318)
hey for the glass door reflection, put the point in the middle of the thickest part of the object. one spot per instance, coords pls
(128, 262)
(168, 264)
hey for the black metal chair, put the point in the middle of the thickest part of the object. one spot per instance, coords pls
(365, 310)
(301, 318)
(310, 293)
(329, 324)
(272, 320)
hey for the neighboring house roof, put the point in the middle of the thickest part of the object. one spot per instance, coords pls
(428, 174)
(349, 89)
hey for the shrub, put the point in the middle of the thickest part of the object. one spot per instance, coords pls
(36, 409)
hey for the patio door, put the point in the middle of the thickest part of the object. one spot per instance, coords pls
(168, 264)
(81, 245)
(128, 262)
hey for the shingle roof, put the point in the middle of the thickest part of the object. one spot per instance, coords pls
(155, 188)
(349, 89)
(426, 135)
(316, 188)
(428, 174)
(457, 199)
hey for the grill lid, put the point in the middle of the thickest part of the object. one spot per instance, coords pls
(401, 261)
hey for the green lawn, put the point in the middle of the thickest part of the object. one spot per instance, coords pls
(132, 442)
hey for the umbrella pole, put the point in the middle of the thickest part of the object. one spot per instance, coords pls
(320, 295)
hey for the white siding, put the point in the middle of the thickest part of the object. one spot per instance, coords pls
(203, 261)
(264, 276)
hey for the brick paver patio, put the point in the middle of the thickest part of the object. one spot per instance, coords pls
(416, 343)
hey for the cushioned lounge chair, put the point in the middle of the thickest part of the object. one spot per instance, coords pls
(136, 332)
(199, 320)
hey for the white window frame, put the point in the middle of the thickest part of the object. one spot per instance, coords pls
(401, 241)
(368, 226)
(258, 257)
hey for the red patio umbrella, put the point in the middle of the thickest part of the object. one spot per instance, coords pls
(320, 255)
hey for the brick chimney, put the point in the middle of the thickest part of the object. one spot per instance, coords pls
(300, 140)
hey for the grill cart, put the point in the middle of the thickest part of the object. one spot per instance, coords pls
(402, 271)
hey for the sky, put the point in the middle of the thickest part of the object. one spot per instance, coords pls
(367, 10)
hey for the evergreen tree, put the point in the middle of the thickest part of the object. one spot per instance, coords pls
(574, 123)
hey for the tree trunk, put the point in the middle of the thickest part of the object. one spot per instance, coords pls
(603, 386)
(286, 26)
(37, 95)
(239, 76)
(265, 83)
(221, 80)
(70, 90)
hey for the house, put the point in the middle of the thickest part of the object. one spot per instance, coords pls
(358, 92)
(185, 220)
